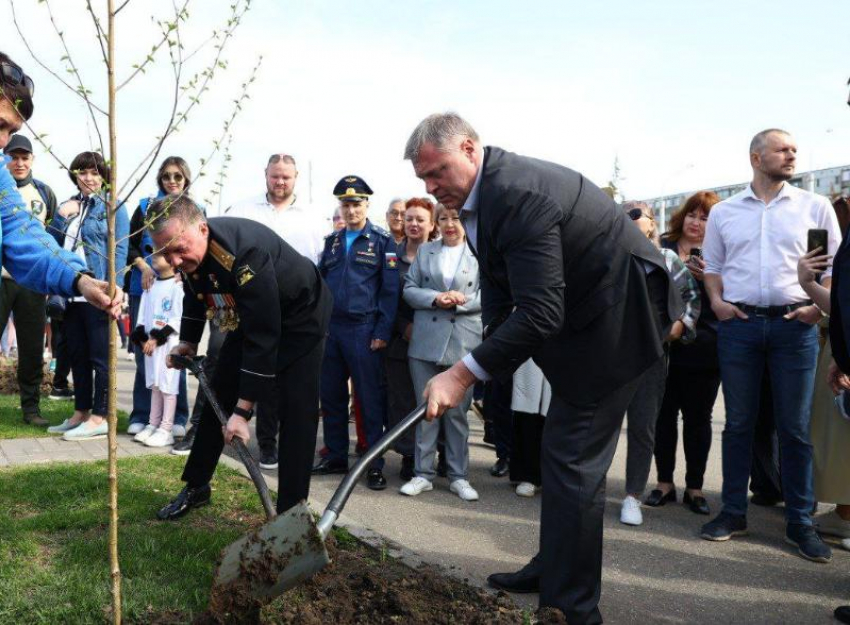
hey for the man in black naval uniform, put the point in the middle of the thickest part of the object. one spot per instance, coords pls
(274, 307)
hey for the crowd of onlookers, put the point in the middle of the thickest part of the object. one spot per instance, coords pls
(407, 305)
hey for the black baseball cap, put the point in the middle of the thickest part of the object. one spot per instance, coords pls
(18, 143)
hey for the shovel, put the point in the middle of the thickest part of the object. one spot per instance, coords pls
(290, 549)
(194, 365)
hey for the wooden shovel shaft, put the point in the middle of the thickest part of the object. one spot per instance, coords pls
(236, 442)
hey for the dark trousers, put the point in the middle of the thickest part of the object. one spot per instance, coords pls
(141, 393)
(525, 457)
(693, 392)
(29, 310)
(347, 355)
(214, 344)
(579, 442)
(497, 411)
(297, 391)
(87, 332)
(765, 473)
(59, 347)
(401, 400)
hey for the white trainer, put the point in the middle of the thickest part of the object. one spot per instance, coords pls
(415, 486)
(526, 489)
(160, 438)
(145, 434)
(845, 543)
(630, 513)
(832, 524)
(464, 490)
(135, 428)
(178, 431)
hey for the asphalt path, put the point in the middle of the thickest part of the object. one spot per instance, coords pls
(660, 572)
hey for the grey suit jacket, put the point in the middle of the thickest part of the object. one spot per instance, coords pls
(439, 335)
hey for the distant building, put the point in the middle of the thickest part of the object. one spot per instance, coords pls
(829, 182)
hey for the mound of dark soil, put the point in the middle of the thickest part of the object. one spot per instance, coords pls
(363, 586)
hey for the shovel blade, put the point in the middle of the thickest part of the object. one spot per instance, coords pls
(281, 554)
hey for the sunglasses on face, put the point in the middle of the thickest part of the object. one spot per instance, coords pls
(14, 75)
(178, 178)
(636, 213)
(276, 158)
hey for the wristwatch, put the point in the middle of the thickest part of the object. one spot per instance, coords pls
(75, 285)
(242, 412)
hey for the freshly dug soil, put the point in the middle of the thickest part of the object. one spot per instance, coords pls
(362, 586)
(9, 378)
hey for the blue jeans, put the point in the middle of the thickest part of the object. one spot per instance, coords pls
(141, 392)
(790, 350)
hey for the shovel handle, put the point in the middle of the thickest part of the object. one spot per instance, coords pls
(343, 491)
(195, 366)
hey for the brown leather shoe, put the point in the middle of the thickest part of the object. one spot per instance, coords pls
(34, 418)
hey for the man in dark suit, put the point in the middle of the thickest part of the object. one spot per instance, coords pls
(566, 278)
(274, 308)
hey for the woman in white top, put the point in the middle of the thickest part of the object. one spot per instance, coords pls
(442, 288)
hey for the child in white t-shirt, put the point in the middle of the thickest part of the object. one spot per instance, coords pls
(157, 331)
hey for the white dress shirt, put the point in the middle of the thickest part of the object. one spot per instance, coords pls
(297, 224)
(469, 217)
(754, 247)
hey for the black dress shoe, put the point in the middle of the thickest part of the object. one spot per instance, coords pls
(526, 580)
(327, 466)
(658, 498)
(760, 499)
(187, 499)
(375, 480)
(407, 465)
(842, 614)
(698, 505)
(500, 468)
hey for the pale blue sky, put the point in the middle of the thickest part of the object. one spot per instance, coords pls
(676, 89)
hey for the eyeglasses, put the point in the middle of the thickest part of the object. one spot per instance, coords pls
(276, 158)
(397, 214)
(14, 75)
(636, 213)
(178, 178)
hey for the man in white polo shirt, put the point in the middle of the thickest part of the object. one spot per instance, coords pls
(296, 223)
(283, 211)
(752, 244)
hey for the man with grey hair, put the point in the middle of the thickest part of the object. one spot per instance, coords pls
(753, 241)
(567, 279)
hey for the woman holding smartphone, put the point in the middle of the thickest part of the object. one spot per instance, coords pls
(693, 377)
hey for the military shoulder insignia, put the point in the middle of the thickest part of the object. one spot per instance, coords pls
(381, 231)
(224, 258)
(244, 275)
(392, 260)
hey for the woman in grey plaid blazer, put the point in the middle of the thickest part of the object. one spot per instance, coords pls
(442, 288)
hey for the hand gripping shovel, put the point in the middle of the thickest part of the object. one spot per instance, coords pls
(194, 365)
(291, 548)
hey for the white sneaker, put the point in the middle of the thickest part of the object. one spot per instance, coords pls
(130, 356)
(526, 489)
(832, 524)
(845, 543)
(135, 428)
(630, 513)
(464, 490)
(178, 431)
(160, 438)
(415, 486)
(146, 432)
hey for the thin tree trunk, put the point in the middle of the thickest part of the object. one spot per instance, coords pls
(112, 392)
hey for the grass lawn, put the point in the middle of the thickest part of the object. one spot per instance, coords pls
(53, 553)
(12, 423)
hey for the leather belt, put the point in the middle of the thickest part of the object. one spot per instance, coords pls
(771, 311)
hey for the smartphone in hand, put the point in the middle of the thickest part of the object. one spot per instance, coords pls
(818, 238)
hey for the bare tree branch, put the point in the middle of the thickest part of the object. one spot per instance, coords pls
(121, 6)
(101, 36)
(140, 67)
(43, 65)
(73, 68)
